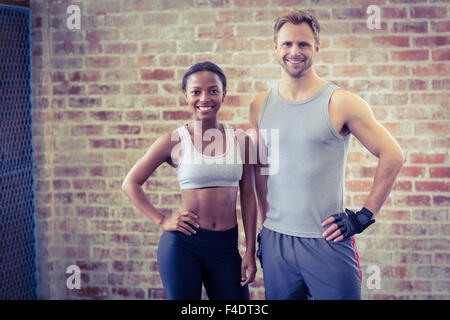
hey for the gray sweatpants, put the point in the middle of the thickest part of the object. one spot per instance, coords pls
(301, 268)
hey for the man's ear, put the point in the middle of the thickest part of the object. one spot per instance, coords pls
(223, 95)
(317, 46)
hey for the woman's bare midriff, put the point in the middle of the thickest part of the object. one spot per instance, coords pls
(215, 207)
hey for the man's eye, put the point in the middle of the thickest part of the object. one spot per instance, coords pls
(214, 91)
(195, 92)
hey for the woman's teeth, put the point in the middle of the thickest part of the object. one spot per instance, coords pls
(204, 108)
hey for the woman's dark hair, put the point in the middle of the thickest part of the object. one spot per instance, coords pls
(205, 66)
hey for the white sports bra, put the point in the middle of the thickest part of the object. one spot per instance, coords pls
(196, 170)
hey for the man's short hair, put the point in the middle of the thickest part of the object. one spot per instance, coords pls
(297, 17)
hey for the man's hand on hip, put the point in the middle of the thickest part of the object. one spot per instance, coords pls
(346, 224)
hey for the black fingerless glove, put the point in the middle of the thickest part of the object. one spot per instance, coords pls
(351, 223)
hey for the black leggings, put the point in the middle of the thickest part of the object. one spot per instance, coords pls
(208, 257)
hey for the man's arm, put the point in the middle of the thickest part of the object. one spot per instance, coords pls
(358, 118)
(261, 156)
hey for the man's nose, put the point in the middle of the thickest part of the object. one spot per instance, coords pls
(295, 50)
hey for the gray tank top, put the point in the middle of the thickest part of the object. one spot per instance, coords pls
(307, 185)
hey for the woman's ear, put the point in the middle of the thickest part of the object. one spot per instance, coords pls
(223, 95)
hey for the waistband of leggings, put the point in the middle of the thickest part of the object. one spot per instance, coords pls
(213, 235)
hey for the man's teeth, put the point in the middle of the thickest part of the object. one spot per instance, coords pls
(204, 108)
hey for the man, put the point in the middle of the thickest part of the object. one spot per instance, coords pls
(306, 244)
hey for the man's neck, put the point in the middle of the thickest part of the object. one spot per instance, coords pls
(298, 89)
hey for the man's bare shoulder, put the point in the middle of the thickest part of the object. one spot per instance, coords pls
(344, 101)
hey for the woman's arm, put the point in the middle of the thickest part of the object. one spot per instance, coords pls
(249, 215)
(157, 154)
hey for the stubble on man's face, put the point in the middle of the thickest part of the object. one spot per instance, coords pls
(295, 49)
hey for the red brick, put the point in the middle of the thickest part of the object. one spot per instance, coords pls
(133, 293)
(409, 55)
(105, 143)
(441, 84)
(231, 16)
(121, 48)
(105, 171)
(396, 215)
(157, 74)
(160, 19)
(349, 42)
(254, 31)
(431, 41)
(140, 5)
(391, 41)
(171, 199)
(255, 3)
(103, 7)
(86, 130)
(439, 172)
(440, 55)
(69, 171)
(106, 115)
(430, 244)
(395, 99)
(439, 69)
(350, 71)
(349, 13)
(428, 12)
(104, 89)
(67, 89)
(237, 101)
(440, 26)
(176, 115)
(390, 70)
(141, 115)
(233, 45)
(124, 129)
(432, 186)
(363, 172)
(412, 286)
(97, 35)
(402, 186)
(156, 101)
(135, 143)
(413, 201)
(361, 27)
(140, 88)
(408, 27)
(102, 62)
(223, 32)
(392, 13)
(428, 158)
(441, 201)
(432, 128)
(412, 172)
(358, 185)
(371, 56)
(85, 76)
(333, 56)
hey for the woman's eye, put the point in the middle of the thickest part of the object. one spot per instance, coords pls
(195, 92)
(214, 91)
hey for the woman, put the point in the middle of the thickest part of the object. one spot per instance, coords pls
(200, 240)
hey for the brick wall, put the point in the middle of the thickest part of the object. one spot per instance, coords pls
(105, 92)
